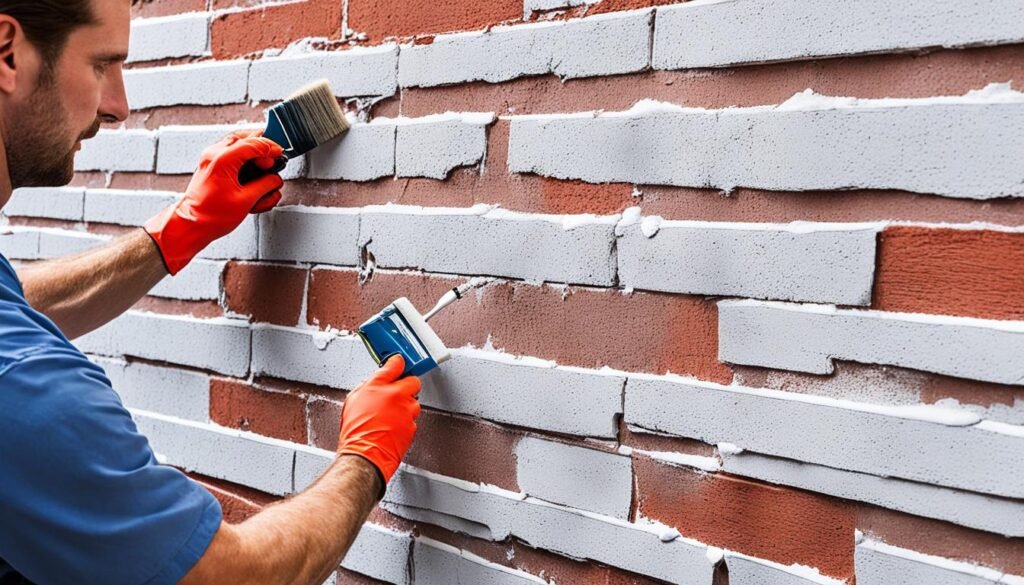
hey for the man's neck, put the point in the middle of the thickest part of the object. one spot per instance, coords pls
(5, 175)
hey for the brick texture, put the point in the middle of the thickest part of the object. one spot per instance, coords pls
(267, 293)
(393, 18)
(265, 27)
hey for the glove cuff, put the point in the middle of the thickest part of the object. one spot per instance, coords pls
(376, 456)
(175, 238)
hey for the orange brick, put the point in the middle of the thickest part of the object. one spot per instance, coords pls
(239, 405)
(974, 273)
(269, 293)
(781, 524)
(234, 34)
(381, 19)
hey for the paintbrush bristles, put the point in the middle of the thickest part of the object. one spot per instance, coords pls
(320, 111)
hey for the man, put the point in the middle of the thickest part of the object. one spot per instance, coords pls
(82, 499)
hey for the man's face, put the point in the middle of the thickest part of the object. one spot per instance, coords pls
(62, 107)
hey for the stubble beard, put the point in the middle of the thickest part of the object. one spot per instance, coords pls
(37, 139)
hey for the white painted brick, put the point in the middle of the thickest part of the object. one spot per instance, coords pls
(125, 207)
(882, 564)
(371, 71)
(181, 147)
(313, 357)
(588, 479)
(181, 35)
(366, 152)
(241, 244)
(319, 235)
(310, 464)
(607, 44)
(952, 149)
(715, 34)
(58, 243)
(744, 570)
(381, 553)
(434, 146)
(882, 441)
(807, 339)
(798, 262)
(118, 150)
(243, 458)
(988, 513)
(479, 241)
(199, 281)
(577, 534)
(452, 523)
(441, 564)
(168, 391)
(19, 243)
(49, 202)
(221, 344)
(558, 399)
(208, 83)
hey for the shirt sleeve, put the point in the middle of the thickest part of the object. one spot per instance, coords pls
(82, 497)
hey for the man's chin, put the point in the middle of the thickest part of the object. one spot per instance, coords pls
(56, 177)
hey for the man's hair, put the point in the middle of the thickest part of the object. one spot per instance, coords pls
(49, 23)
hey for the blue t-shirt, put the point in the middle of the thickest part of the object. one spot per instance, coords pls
(82, 498)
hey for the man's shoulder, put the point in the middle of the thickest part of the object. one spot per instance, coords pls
(23, 332)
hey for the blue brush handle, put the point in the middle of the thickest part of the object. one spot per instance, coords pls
(251, 171)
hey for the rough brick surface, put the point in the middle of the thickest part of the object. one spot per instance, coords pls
(432, 148)
(274, 26)
(246, 407)
(718, 34)
(573, 476)
(199, 281)
(807, 339)
(476, 241)
(352, 73)
(365, 153)
(301, 234)
(124, 207)
(816, 263)
(928, 444)
(381, 553)
(974, 273)
(879, 563)
(54, 203)
(267, 293)
(643, 146)
(310, 356)
(185, 35)
(118, 150)
(395, 18)
(202, 84)
(600, 45)
(169, 391)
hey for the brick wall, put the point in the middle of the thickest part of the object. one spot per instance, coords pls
(737, 335)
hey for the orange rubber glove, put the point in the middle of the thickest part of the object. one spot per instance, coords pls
(378, 418)
(215, 203)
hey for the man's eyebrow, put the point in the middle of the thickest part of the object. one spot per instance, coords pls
(110, 57)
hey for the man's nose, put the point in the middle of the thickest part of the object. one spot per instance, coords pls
(114, 101)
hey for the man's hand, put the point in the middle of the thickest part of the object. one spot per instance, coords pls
(215, 203)
(378, 419)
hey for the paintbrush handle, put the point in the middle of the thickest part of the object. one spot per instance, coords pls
(251, 171)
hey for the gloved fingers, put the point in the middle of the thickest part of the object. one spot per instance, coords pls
(262, 186)
(389, 372)
(267, 202)
(254, 147)
(409, 386)
(241, 134)
(265, 162)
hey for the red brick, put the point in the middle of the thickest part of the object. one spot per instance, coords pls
(942, 539)
(240, 405)
(234, 34)
(269, 293)
(199, 309)
(238, 503)
(974, 273)
(324, 423)
(346, 577)
(381, 19)
(781, 524)
(641, 332)
(465, 448)
(154, 8)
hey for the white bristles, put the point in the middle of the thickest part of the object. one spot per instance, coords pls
(320, 111)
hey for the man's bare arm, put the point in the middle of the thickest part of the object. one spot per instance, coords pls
(296, 542)
(83, 292)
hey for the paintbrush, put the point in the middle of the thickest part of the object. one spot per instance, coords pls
(308, 118)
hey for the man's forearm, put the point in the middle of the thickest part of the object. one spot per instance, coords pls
(83, 292)
(299, 541)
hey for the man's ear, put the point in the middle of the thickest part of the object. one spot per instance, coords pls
(10, 35)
